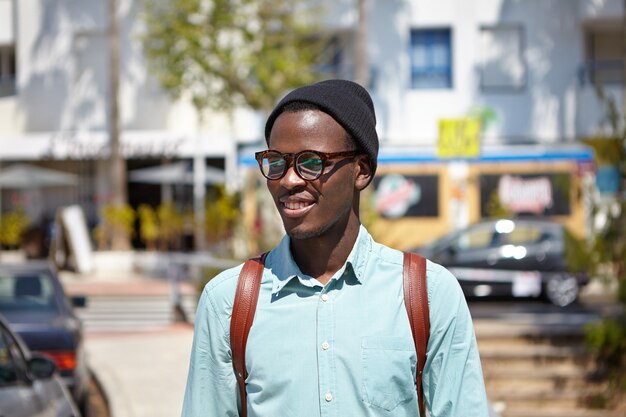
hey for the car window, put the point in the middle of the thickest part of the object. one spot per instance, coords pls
(11, 360)
(475, 238)
(26, 292)
(522, 235)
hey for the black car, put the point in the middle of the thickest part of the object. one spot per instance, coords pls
(29, 384)
(523, 257)
(34, 303)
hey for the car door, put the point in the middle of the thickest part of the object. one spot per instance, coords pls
(18, 396)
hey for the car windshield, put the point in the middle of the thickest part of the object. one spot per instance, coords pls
(26, 292)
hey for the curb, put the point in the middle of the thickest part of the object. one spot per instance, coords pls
(102, 394)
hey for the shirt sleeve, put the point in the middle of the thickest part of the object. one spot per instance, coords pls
(453, 379)
(211, 384)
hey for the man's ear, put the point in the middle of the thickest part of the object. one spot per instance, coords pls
(363, 173)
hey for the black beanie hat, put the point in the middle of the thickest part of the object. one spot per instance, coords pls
(346, 102)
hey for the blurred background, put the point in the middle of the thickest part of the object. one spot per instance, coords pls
(127, 134)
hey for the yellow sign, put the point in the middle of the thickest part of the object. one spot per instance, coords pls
(458, 138)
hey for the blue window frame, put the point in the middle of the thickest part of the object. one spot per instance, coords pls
(431, 58)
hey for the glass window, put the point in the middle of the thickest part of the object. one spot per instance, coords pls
(9, 370)
(502, 58)
(476, 238)
(27, 293)
(7, 70)
(431, 58)
(523, 235)
(605, 59)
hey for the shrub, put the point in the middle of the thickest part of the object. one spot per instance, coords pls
(12, 227)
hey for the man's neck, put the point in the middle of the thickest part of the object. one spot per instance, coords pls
(323, 256)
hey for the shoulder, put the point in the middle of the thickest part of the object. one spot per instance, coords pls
(440, 282)
(220, 290)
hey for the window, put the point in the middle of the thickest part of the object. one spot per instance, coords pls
(431, 59)
(7, 49)
(476, 238)
(502, 58)
(9, 360)
(604, 53)
(331, 60)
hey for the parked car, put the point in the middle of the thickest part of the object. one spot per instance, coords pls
(523, 257)
(29, 383)
(34, 303)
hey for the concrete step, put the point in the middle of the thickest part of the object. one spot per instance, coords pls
(131, 312)
(531, 352)
(489, 329)
(547, 379)
(539, 399)
(561, 413)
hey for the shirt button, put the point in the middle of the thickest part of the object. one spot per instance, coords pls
(325, 345)
(325, 297)
(328, 397)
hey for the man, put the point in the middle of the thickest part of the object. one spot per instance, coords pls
(331, 335)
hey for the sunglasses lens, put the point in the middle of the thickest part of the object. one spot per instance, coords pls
(273, 165)
(309, 165)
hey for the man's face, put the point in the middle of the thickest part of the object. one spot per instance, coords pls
(313, 208)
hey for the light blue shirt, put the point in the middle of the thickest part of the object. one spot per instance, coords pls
(339, 350)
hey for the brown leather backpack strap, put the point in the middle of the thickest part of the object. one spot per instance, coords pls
(244, 307)
(416, 303)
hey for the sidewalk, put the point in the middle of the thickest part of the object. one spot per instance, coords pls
(143, 375)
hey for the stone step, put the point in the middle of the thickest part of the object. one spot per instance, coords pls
(534, 352)
(518, 343)
(523, 399)
(561, 413)
(546, 379)
(131, 312)
(491, 329)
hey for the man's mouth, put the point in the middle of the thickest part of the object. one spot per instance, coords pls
(295, 205)
(296, 208)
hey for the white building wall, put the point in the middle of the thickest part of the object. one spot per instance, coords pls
(63, 71)
(551, 107)
(63, 83)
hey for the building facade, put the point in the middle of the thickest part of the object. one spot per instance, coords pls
(527, 69)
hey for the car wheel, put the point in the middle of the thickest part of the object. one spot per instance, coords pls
(562, 290)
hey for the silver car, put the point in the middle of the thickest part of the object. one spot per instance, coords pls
(29, 383)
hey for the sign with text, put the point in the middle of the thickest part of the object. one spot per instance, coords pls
(397, 195)
(546, 194)
(458, 138)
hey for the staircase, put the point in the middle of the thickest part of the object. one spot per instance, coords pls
(125, 313)
(133, 306)
(537, 370)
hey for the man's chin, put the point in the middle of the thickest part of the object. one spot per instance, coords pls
(303, 234)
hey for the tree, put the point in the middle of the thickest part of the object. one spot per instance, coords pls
(606, 338)
(225, 53)
(228, 53)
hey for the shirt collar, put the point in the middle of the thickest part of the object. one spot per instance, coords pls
(284, 268)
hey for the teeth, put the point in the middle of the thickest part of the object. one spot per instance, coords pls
(296, 205)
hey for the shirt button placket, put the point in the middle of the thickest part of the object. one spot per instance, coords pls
(326, 368)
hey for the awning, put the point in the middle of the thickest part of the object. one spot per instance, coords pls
(176, 173)
(24, 176)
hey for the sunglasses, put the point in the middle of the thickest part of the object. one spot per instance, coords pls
(309, 165)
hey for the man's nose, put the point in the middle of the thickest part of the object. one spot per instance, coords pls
(291, 179)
